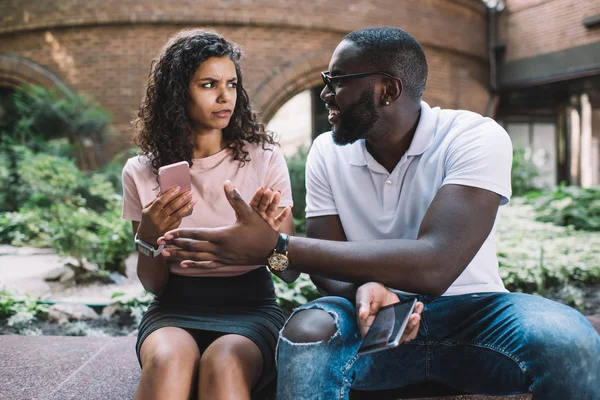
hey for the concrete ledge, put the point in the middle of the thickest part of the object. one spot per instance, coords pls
(64, 368)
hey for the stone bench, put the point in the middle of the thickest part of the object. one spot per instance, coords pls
(64, 367)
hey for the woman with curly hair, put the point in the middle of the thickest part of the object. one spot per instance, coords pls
(208, 333)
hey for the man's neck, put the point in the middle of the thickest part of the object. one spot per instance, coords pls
(389, 148)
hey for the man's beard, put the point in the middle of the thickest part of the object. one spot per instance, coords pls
(357, 121)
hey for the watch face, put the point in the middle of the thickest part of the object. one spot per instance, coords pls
(278, 262)
(143, 249)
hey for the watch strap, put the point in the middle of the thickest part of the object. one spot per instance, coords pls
(282, 243)
(146, 248)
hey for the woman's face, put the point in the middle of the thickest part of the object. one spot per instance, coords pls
(212, 94)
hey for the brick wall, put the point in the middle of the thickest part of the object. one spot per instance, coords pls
(534, 27)
(105, 51)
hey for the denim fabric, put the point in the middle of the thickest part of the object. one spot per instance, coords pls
(486, 343)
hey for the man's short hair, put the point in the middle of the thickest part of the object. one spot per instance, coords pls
(394, 51)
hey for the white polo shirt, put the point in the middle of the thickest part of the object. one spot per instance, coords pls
(449, 147)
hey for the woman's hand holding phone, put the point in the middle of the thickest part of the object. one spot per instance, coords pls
(266, 204)
(164, 213)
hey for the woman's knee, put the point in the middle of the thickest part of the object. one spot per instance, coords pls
(170, 348)
(231, 352)
(308, 326)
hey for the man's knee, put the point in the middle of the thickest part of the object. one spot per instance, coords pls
(308, 326)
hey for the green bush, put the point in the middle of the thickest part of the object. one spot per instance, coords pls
(11, 305)
(536, 256)
(297, 166)
(292, 295)
(568, 206)
(103, 239)
(523, 173)
(12, 192)
(136, 305)
(45, 115)
(77, 214)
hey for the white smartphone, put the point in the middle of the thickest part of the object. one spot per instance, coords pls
(177, 174)
(388, 327)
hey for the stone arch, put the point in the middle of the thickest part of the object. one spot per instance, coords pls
(16, 70)
(288, 80)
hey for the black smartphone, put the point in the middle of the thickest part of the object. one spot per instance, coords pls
(388, 327)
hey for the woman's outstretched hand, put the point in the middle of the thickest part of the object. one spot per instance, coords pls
(266, 204)
(247, 242)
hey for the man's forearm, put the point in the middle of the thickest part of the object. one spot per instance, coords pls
(408, 265)
(332, 287)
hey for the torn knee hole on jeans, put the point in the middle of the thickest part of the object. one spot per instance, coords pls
(306, 330)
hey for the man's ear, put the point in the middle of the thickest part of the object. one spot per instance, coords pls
(392, 90)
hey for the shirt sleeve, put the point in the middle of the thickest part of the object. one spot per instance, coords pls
(319, 196)
(132, 206)
(278, 177)
(480, 155)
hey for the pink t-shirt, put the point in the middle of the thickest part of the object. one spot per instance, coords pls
(267, 169)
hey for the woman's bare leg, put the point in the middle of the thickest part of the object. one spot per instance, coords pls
(170, 360)
(229, 368)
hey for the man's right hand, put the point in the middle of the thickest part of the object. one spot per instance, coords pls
(370, 297)
(164, 213)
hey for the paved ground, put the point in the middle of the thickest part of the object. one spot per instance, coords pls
(64, 368)
(22, 271)
(69, 368)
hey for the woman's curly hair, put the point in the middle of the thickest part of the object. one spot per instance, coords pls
(164, 128)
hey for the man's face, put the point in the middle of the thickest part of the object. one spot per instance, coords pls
(352, 111)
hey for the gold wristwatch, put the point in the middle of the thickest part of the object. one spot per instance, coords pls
(278, 260)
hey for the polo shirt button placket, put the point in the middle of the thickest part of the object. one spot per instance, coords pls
(388, 200)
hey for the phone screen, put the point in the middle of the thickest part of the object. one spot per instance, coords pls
(387, 328)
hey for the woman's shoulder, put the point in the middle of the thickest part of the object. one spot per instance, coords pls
(138, 165)
(262, 152)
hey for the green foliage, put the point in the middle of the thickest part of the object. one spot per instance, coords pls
(292, 295)
(12, 194)
(297, 166)
(46, 115)
(112, 170)
(135, 304)
(568, 206)
(100, 238)
(77, 214)
(22, 309)
(536, 256)
(523, 173)
(28, 227)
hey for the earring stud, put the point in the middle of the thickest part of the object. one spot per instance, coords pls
(387, 103)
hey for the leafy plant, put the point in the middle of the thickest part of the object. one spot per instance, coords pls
(568, 206)
(46, 115)
(536, 256)
(21, 310)
(292, 295)
(523, 173)
(136, 304)
(297, 166)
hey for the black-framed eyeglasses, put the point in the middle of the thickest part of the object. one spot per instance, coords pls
(330, 80)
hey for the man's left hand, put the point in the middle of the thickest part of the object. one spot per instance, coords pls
(247, 242)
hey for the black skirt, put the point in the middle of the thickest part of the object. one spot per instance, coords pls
(210, 307)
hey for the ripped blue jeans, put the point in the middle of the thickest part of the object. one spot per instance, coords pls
(486, 343)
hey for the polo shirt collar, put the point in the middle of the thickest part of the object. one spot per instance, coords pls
(425, 131)
(423, 138)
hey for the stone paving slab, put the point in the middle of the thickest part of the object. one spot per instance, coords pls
(63, 367)
(90, 368)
